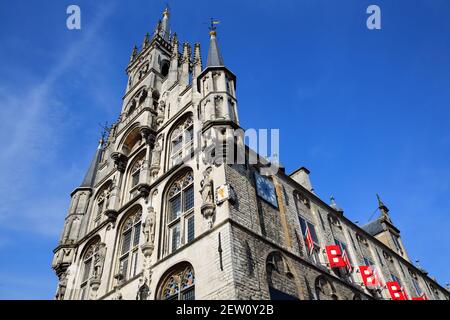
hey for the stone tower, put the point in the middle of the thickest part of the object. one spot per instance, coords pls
(146, 209)
(163, 213)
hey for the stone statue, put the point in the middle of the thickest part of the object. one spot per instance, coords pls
(62, 286)
(207, 188)
(57, 259)
(143, 292)
(149, 226)
(99, 260)
(156, 154)
(161, 108)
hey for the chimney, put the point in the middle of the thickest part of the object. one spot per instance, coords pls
(301, 176)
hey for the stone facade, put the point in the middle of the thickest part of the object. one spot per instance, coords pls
(147, 222)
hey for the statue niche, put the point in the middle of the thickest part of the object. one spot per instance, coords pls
(207, 192)
(148, 229)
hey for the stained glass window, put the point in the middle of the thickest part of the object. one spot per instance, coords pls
(179, 284)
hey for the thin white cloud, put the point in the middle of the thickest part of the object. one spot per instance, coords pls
(35, 122)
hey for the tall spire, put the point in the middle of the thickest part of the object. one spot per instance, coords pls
(383, 209)
(214, 56)
(89, 178)
(165, 28)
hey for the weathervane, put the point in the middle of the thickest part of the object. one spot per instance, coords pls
(214, 22)
(167, 6)
(106, 128)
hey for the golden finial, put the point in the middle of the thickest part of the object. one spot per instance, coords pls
(166, 12)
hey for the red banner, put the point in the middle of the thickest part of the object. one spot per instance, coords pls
(369, 277)
(396, 291)
(422, 297)
(347, 261)
(309, 240)
(335, 257)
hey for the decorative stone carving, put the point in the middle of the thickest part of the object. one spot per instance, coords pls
(160, 117)
(62, 286)
(148, 134)
(99, 261)
(207, 192)
(148, 228)
(156, 158)
(62, 260)
(218, 107)
(144, 190)
(120, 161)
(143, 292)
(112, 215)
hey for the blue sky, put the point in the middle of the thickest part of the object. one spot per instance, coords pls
(366, 111)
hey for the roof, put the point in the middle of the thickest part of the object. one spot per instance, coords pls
(374, 227)
(215, 58)
(89, 178)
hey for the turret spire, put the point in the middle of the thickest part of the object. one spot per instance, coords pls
(334, 205)
(134, 53)
(165, 28)
(146, 41)
(383, 209)
(89, 178)
(214, 56)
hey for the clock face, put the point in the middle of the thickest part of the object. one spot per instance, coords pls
(266, 189)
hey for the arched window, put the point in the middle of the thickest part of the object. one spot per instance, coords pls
(180, 212)
(131, 140)
(182, 141)
(88, 268)
(179, 284)
(134, 175)
(101, 204)
(281, 281)
(137, 100)
(325, 289)
(129, 246)
(165, 64)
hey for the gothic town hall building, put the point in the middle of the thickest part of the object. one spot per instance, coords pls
(151, 221)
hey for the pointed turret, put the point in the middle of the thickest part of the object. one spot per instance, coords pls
(146, 41)
(185, 62)
(335, 206)
(197, 61)
(89, 178)
(215, 58)
(165, 28)
(158, 28)
(218, 81)
(384, 230)
(197, 66)
(383, 209)
(173, 71)
(134, 53)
